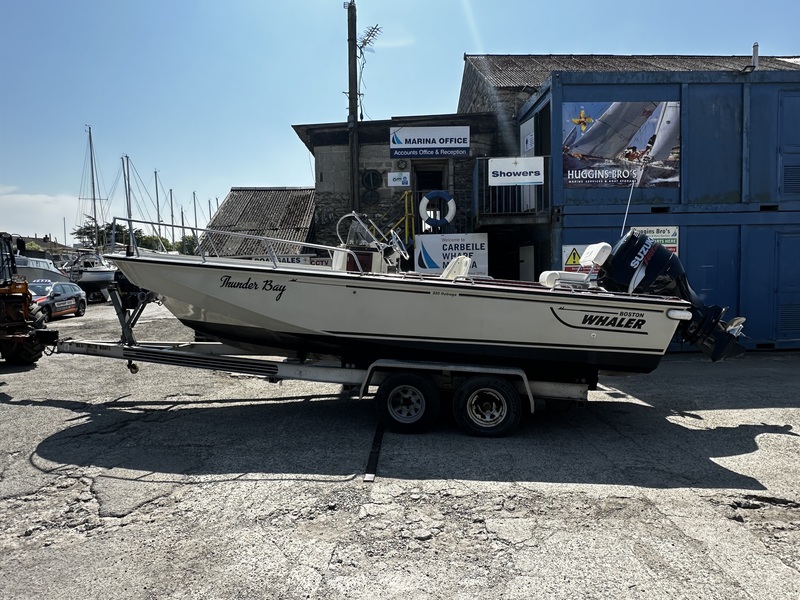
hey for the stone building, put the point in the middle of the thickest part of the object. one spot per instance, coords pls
(385, 201)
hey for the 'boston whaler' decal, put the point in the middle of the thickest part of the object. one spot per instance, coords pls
(267, 285)
(624, 321)
(618, 322)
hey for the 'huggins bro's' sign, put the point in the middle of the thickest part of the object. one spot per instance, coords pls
(428, 142)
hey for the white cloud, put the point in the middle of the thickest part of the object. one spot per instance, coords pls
(37, 214)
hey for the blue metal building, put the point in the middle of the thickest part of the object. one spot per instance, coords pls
(724, 187)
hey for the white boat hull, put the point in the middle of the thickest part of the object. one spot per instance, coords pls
(362, 317)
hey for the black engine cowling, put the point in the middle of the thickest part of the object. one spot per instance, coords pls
(640, 265)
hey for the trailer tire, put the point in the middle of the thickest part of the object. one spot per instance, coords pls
(487, 406)
(407, 403)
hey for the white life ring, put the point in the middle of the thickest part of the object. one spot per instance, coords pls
(451, 208)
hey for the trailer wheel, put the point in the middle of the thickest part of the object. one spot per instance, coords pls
(487, 406)
(407, 403)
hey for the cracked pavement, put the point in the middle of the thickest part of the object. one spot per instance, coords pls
(180, 483)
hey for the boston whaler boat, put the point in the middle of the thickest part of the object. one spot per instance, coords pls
(362, 307)
(496, 347)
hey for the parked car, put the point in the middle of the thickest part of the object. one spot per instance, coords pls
(59, 298)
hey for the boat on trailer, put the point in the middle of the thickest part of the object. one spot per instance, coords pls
(567, 327)
(493, 349)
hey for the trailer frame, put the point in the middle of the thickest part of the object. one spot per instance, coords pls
(487, 400)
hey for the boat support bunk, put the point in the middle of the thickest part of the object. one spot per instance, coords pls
(487, 401)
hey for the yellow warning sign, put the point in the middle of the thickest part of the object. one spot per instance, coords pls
(574, 259)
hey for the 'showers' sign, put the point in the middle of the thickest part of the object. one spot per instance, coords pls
(428, 142)
(516, 171)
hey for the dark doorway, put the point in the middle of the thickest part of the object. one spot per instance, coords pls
(428, 178)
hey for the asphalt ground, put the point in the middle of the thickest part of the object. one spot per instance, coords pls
(184, 483)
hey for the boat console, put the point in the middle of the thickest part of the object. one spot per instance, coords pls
(365, 248)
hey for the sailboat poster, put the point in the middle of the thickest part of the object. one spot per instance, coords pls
(621, 144)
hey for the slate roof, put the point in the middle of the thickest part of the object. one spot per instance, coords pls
(279, 212)
(531, 70)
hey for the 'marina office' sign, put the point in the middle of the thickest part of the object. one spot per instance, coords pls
(429, 142)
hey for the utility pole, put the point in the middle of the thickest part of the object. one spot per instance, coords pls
(352, 95)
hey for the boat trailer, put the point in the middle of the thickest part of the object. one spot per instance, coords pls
(488, 401)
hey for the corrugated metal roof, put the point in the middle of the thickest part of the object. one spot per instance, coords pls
(282, 212)
(531, 70)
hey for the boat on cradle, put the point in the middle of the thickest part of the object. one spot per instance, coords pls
(92, 272)
(361, 307)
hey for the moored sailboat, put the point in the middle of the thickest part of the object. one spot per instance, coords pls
(88, 268)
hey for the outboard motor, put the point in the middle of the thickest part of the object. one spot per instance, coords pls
(640, 265)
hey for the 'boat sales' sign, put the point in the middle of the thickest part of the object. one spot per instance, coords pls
(516, 171)
(428, 142)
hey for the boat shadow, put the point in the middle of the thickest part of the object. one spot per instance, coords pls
(612, 442)
(602, 443)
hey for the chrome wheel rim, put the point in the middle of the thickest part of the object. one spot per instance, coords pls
(406, 404)
(486, 407)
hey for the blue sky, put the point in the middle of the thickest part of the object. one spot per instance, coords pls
(206, 91)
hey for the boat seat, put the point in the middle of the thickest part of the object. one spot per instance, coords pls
(458, 267)
(595, 254)
(551, 279)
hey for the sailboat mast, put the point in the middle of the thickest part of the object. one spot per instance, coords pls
(158, 214)
(183, 233)
(172, 216)
(94, 193)
(126, 171)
